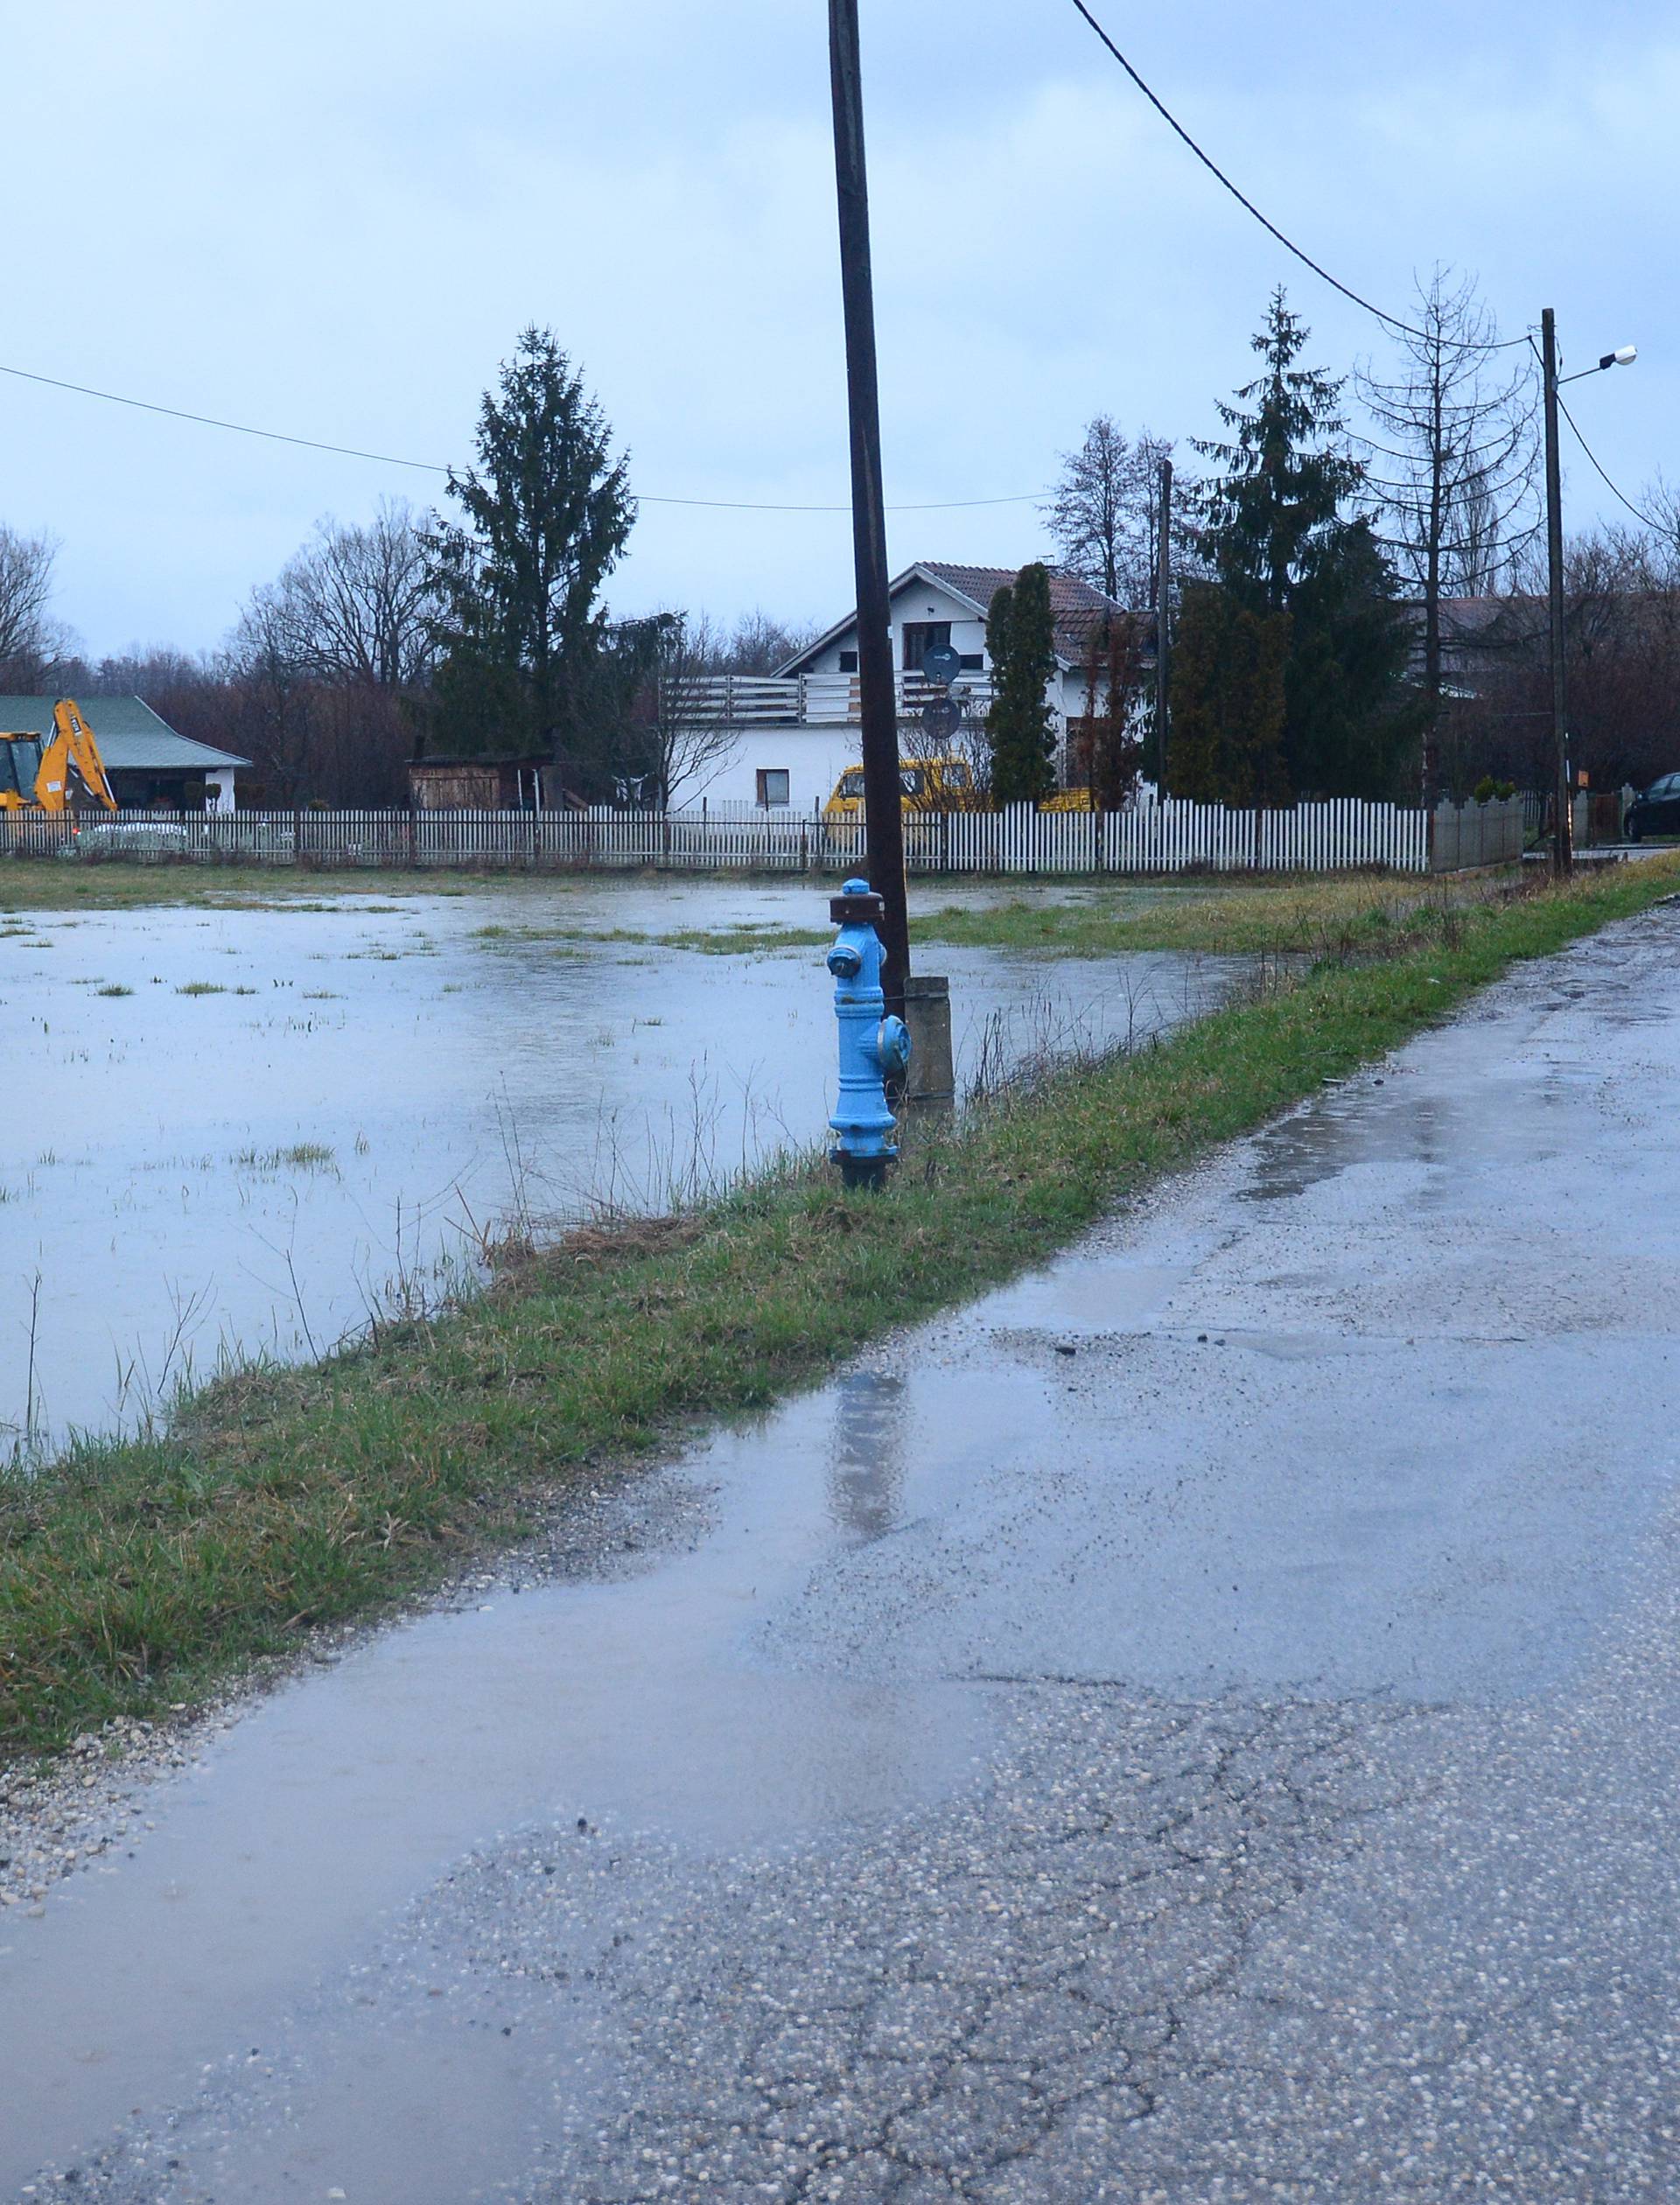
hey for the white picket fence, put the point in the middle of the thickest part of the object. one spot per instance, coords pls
(1170, 837)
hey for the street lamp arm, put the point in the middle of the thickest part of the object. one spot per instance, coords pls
(1623, 356)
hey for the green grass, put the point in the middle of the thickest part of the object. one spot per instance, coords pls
(140, 1573)
(115, 989)
(1335, 915)
(302, 1156)
(1338, 914)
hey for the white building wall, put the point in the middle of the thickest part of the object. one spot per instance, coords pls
(816, 753)
(813, 756)
(917, 600)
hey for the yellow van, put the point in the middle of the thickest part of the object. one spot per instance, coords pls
(929, 785)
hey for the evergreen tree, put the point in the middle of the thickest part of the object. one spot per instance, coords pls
(1021, 639)
(1226, 745)
(547, 514)
(1276, 537)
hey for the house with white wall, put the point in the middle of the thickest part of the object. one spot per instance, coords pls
(798, 729)
(146, 762)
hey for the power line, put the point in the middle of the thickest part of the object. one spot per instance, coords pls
(1593, 456)
(209, 421)
(1392, 321)
(432, 466)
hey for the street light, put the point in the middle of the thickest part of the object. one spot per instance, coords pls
(1623, 356)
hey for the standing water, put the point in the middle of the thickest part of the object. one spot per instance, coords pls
(234, 1132)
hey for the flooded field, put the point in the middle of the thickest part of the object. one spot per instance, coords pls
(236, 1132)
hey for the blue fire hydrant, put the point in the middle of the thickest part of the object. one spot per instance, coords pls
(873, 1049)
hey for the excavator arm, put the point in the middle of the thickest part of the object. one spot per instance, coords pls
(68, 773)
(73, 773)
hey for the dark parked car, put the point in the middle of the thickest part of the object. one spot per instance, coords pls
(1657, 812)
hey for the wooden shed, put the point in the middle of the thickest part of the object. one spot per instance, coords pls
(482, 784)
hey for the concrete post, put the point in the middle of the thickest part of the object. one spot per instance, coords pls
(930, 1085)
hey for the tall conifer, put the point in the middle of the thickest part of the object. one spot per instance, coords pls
(1020, 728)
(1276, 537)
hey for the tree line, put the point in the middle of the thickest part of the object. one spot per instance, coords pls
(1361, 610)
(1355, 612)
(483, 632)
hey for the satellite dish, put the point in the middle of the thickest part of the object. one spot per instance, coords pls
(941, 663)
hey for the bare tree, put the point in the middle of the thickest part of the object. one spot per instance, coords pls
(658, 714)
(273, 707)
(966, 743)
(32, 642)
(357, 602)
(325, 660)
(1106, 741)
(759, 643)
(1451, 466)
(1105, 513)
(1621, 630)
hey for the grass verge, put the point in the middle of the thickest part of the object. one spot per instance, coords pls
(139, 1574)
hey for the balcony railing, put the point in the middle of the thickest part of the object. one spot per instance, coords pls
(768, 700)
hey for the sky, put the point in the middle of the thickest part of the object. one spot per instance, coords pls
(332, 218)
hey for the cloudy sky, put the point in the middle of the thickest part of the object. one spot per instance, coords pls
(333, 217)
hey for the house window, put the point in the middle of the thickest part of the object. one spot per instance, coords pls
(974, 661)
(848, 662)
(920, 637)
(773, 787)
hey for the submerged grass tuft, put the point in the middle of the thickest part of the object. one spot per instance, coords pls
(138, 1573)
(301, 1156)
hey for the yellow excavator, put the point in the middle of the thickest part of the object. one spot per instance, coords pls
(57, 772)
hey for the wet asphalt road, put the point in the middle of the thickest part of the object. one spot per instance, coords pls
(1200, 1724)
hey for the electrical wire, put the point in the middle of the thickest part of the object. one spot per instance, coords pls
(432, 466)
(1593, 456)
(209, 421)
(1656, 527)
(1391, 321)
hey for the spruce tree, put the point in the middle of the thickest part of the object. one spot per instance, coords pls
(1276, 537)
(547, 514)
(1020, 728)
(1226, 745)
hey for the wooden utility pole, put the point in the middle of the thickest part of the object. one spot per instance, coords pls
(1163, 628)
(883, 790)
(1561, 855)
